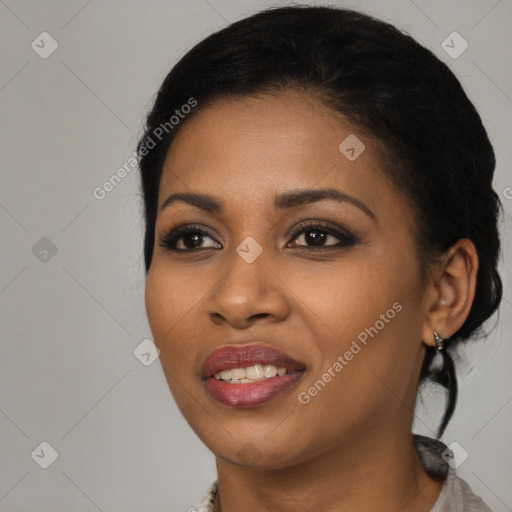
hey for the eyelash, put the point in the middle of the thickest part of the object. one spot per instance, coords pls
(346, 239)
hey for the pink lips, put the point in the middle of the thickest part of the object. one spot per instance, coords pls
(249, 394)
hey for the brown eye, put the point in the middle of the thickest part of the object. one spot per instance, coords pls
(188, 238)
(316, 235)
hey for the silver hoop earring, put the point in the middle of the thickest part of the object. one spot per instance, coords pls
(440, 342)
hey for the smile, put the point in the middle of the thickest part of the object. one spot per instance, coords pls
(249, 375)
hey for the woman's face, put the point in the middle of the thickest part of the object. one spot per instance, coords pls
(324, 284)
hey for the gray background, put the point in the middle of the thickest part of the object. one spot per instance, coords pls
(69, 324)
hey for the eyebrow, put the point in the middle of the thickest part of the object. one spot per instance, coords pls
(291, 199)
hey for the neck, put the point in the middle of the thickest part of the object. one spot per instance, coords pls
(369, 473)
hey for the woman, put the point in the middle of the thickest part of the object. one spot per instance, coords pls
(320, 222)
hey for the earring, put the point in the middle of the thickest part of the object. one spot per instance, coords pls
(440, 342)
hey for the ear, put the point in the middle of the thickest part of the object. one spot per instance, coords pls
(452, 290)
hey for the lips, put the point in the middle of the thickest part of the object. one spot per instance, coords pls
(252, 394)
(242, 356)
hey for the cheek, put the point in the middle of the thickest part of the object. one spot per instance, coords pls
(370, 313)
(170, 304)
(349, 296)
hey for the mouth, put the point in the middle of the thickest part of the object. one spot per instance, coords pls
(249, 375)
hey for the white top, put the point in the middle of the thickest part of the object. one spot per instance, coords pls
(455, 496)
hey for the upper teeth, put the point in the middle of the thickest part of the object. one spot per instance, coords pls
(252, 373)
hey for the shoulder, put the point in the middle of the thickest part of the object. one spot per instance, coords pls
(456, 495)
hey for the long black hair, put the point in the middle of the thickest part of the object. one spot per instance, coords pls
(435, 148)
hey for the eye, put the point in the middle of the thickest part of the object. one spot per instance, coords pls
(188, 238)
(315, 235)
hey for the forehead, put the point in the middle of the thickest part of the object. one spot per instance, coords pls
(249, 149)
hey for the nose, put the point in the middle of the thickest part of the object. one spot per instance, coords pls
(248, 293)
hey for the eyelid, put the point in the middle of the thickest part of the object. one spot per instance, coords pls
(325, 226)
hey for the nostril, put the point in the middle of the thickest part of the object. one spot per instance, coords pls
(259, 315)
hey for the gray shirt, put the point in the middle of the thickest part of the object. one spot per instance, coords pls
(455, 496)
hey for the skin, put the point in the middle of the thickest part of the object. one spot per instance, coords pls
(350, 447)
